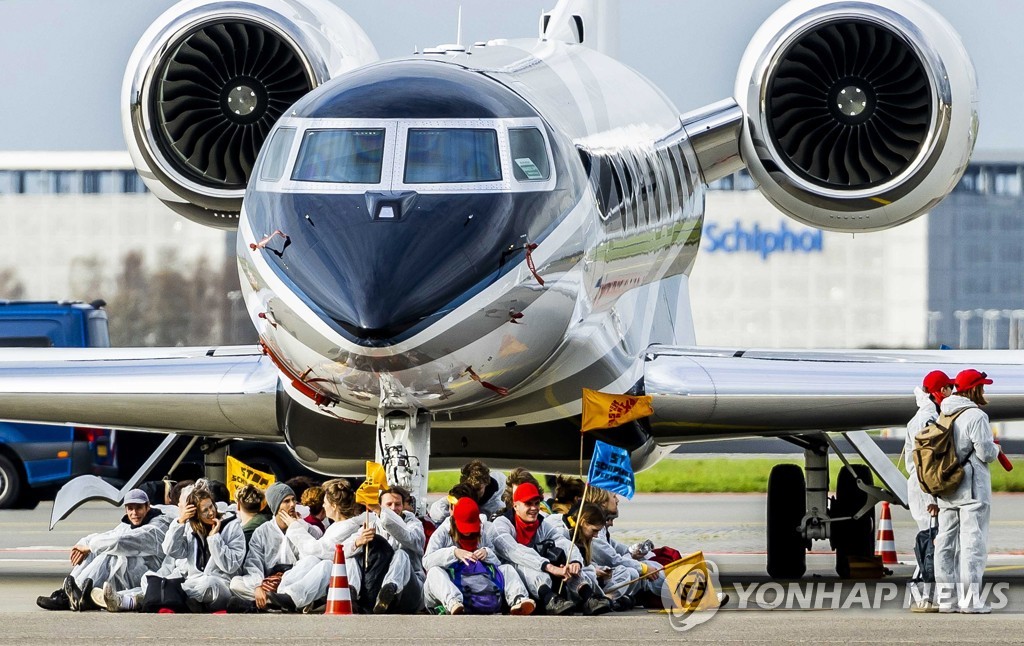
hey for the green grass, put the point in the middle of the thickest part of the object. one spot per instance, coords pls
(727, 475)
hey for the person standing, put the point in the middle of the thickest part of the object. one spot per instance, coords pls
(936, 387)
(964, 513)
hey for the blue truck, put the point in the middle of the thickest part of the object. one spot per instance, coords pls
(35, 459)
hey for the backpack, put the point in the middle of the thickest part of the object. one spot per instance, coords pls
(481, 585)
(939, 471)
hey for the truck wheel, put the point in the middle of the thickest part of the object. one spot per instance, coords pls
(787, 549)
(10, 483)
(852, 538)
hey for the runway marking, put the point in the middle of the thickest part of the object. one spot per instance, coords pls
(1004, 568)
(33, 560)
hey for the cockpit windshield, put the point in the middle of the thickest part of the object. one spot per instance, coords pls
(345, 156)
(452, 155)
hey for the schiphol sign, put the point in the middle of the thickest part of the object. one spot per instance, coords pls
(740, 238)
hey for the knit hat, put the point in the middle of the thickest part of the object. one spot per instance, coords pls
(275, 494)
(466, 516)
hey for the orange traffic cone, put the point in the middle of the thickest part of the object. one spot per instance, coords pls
(339, 599)
(885, 546)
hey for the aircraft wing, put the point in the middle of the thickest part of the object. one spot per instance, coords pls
(702, 393)
(215, 392)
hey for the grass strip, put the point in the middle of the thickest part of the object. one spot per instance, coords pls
(727, 475)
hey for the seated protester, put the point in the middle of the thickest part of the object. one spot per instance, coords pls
(211, 547)
(175, 497)
(567, 494)
(250, 500)
(584, 588)
(401, 588)
(441, 509)
(158, 491)
(118, 557)
(270, 554)
(306, 582)
(516, 477)
(299, 484)
(609, 553)
(313, 499)
(461, 550)
(487, 489)
(537, 551)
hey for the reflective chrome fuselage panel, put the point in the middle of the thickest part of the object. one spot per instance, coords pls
(490, 231)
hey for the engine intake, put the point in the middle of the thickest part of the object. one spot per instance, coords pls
(859, 115)
(208, 80)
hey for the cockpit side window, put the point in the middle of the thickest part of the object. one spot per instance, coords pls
(452, 155)
(347, 156)
(277, 155)
(529, 154)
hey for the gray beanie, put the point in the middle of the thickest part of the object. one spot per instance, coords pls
(275, 494)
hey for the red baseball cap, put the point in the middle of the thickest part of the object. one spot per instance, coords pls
(967, 379)
(466, 516)
(526, 492)
(935, 381)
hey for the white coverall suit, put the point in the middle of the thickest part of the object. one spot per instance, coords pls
(439, 590)
(405, 535)
(268, 548)
(207, 583)
(917, 498)
(124, 554)
(964, 514)
(525, 558)
(588, 575)
(307, 581)
(605, 551)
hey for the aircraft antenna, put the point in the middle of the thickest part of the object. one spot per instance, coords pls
(458, 29)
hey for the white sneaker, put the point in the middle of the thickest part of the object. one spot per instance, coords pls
(96, 594)
(110, 599)
(524, 606)
(976, 610)
(944, 609)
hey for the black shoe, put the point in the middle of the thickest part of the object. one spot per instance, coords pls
(56, 601)
(240, 606)
(622, 604)
(596, 606)
(85, 601)
(195, 607)
(281, 601)
(72, 592)
(385, 598)
(559, 606)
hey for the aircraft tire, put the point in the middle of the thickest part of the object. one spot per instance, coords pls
(787, 551)
(852, 538)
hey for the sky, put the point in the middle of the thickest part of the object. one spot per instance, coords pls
(63, 60)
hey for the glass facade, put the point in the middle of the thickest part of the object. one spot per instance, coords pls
(79, 182)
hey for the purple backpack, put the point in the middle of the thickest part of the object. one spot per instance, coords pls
(481, 585)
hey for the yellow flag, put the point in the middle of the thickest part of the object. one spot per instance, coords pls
(240, 474)
(689, 584)
(376, 481)
(601, 410)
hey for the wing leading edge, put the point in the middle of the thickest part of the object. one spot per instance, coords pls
(215, 392)
(702, 394)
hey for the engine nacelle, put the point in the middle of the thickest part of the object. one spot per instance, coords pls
(208, 80)
(859, 116)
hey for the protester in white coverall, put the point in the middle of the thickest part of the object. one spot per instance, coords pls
(402, 586)
(307, 581)
(519, 537)
(487, 488)
(466, 536)
(625, 566)
(210, 548)
(270, 554)
(118, 557)
(964, 514)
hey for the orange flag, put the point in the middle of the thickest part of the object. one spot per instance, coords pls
(376, 481)
(601, 410)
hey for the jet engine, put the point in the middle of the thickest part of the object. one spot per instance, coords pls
(859, 116)
(208, 80)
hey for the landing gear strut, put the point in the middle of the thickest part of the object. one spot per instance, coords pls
(403, 443)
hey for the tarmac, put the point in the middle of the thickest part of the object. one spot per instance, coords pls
(729, 528)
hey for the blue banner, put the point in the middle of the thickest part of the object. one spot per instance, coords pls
(611, 470)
